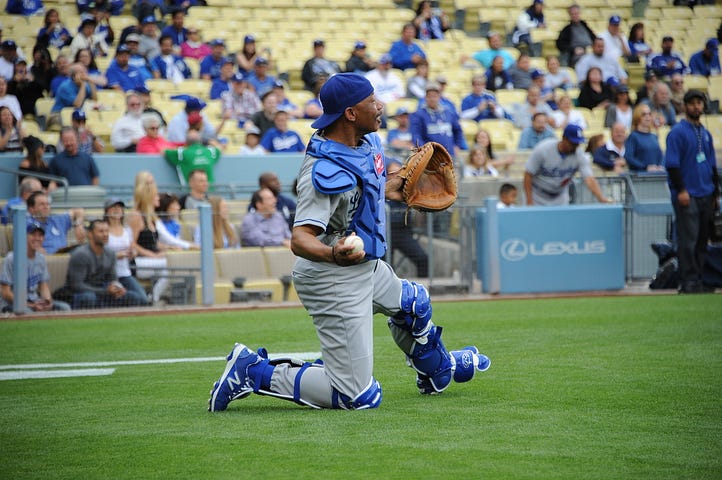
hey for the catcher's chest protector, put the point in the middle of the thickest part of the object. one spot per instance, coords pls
(366, 164)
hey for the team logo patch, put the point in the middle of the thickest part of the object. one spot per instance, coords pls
(378, 163)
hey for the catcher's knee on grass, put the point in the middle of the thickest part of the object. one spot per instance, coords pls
(370, 397)
(319, 397)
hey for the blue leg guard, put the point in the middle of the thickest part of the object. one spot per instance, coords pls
(415, 314)
(369, 398)
(433, 363)
(467, 361)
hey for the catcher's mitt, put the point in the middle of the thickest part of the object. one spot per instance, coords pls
(426, 182)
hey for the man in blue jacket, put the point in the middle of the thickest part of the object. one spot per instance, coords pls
(435, 123)
(694, 186)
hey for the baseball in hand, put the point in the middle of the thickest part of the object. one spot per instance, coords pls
(356, 242)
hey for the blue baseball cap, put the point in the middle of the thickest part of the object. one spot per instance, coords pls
(359, 45)
(192, 103)
(123, 49)
(249, 39)
(574, 134)
(79, 115)
(615, 20)
(238, 77)
(401, 111)
(712, 44)
(34, 226)
(261, 61)
(227, 60)
(149, 19)
(141, 88)
(385, 58)
(216, 42)
(536, 73)
(613, 82)
(340, 92)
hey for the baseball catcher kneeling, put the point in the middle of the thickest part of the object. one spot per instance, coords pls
(342, 188)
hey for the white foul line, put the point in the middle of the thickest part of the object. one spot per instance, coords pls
(34, 366)
(25, 374)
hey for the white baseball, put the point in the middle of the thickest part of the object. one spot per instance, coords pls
(357, 243)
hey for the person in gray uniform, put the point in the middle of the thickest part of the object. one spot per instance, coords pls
(341, 193)
(551, 167)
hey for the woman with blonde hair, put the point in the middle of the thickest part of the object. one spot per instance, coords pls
(150, 260)
(224, 235)
(642, 150)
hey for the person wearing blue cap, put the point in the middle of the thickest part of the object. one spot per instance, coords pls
(343, 282)
(615, 45)
(317, 66)
(168, 64)
(359, 61)
(284, 103)
(259, 79)
(398, 140)
(434, 122)
(551, 167)
(39, 297)
(240, 102)
(706, 61)
(224, 81)
(121, 74)
(210, 66)
(179, 124)
(87, 141)
(247, 55)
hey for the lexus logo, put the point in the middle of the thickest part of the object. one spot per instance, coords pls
(514, 249)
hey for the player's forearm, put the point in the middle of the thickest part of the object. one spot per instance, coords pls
(305, 244)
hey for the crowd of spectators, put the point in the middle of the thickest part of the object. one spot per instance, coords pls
(588, 73)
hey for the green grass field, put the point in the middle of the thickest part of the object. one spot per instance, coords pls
(584, 388)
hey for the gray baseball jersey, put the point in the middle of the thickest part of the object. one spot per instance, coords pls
(552, 172)
(37, 274)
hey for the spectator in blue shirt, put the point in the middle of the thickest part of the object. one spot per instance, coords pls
(435, 123)
(24, 7)
(210, 67)
(536, 132)
(405, 53)
(480, 104)
(642, 150)
(53, 33)
(176, 30)
(706, 62)
(486, 57)
(77, 167)
(224, 82)
(56, 226)
(121, 75)
(259, 78)
(667, 62)
(75, 90)
(168, 65)
(279, 138)
(136, 59)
